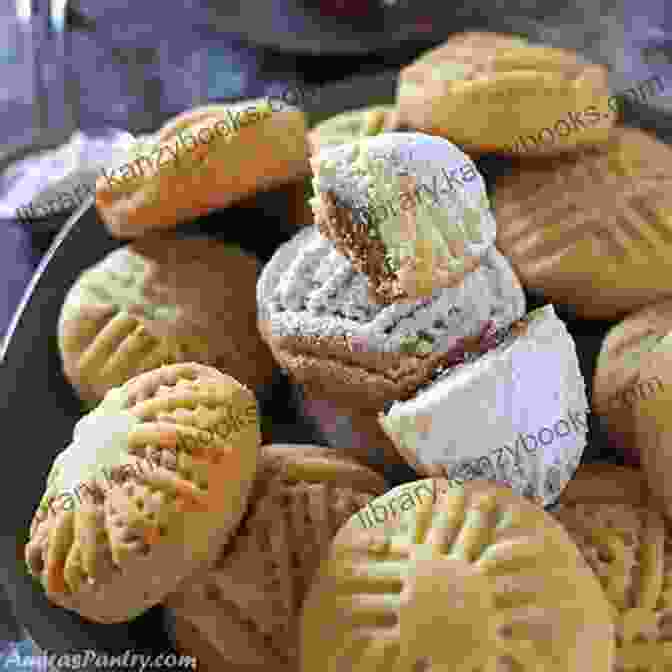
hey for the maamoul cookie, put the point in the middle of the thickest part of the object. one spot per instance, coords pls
(351, 125)
(501, 94)
(163, 300)
(430, 577)
(619, 385)
(247, 607)
(407, 209)
(155, 481)
(203, 159)
(625, 539)
(492, 417)
(594, 231)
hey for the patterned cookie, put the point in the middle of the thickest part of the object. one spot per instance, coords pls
(462, 579)
(248, 606)
(619, 384)
(501, 94)
(156, 479)
(351, 125)
(203, 159)
(152, 303)
(592, 232)
(626, 541)
(322, 326)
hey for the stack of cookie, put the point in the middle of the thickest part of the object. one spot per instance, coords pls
(399, 312)
(582, 215)
(152, 302)
(277, 557)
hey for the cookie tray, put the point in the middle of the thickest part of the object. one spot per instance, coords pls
(39, 408)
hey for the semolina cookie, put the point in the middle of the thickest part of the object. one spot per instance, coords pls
(494, 418)
(501, 94)
(461, 578)
(626, 541)
(357, 355)
(163, 300)
(619, 384)
(407, 209)
(592, 232)
(247, 606)
(352, 125)
(203, 159)
(155, 481)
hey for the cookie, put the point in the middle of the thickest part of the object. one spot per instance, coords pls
(409, 210)
(627, 543)
(493, 418)
(247, 607)
(504, 95)
(592, 232)
(155, 481)
(463, 578)
(352, 125)
(618, 383)
(203, 159)
(336, 343)
(152, 303)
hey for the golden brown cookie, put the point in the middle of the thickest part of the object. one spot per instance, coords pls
(498, 93)
(156, 479)
(154, 303)
(248, 606)
(594, 231)
(351, 125)
(619, 384)
(461, 579)
(628, 545)
(203, 159)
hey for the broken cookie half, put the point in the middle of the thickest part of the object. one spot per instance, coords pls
(516, 413)
(409, 210)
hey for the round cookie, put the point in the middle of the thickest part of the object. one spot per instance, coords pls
(463, 579)
(203, 159)
(155, 481)
(626, 541)
(348, 126)
(247, 606)
(359, 355)
(497, 93)
(153, 303)
(593, 231)
(619, 385)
